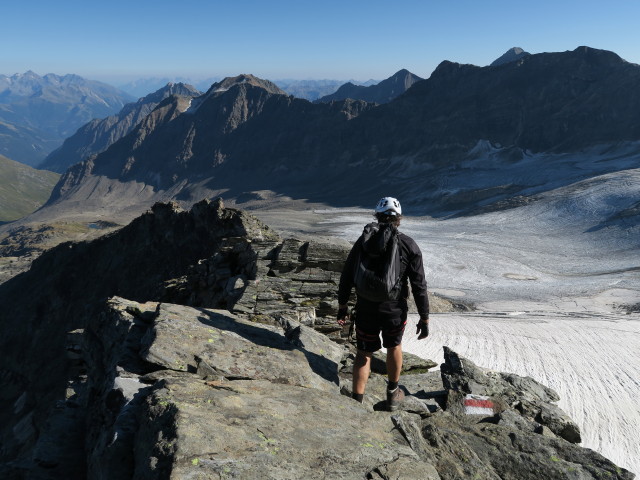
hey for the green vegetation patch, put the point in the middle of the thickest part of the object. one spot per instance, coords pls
(23, 189)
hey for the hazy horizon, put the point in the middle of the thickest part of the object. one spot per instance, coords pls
(119, 41)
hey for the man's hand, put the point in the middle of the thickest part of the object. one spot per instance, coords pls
(422, 329)
(343, 314)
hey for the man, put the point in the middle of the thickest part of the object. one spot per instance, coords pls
(387, 317)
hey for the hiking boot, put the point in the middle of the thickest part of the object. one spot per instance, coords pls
(394, 399)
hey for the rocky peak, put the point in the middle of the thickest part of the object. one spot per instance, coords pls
(447, 68)
(245, 79)
(236, 86)
(511, 55)
(98, 135)
(403, 78)
(183, 89)
(382, 92)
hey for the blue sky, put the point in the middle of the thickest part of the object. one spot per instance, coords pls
(116, 40)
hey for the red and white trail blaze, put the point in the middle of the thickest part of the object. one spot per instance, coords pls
(478, 405)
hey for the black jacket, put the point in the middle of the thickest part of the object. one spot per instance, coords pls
(414, 274)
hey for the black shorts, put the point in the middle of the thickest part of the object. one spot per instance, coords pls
(372, 319)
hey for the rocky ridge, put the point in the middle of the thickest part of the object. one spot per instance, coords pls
(97, 135)
(226, 362)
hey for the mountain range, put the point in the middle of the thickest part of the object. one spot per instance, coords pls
(239, 117)
(307, 89)
(245, 134)
(95, 136)
(38, 112)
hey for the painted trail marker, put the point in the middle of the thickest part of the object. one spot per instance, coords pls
(478, 405)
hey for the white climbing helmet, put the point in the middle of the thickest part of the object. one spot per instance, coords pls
(389, 206)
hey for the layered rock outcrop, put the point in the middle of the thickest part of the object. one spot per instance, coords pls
(177, 392)
(224, 363)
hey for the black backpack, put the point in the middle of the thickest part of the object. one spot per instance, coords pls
(379, 265)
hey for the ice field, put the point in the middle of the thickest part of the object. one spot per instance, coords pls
(548, 281)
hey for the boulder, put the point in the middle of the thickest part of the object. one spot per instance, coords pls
(469, 384)
(261, 429)
(486, 451)
(182, 337)
(225, 396)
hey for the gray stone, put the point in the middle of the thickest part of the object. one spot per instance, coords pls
(236, 348)
(410, 363)
(523, 394)
(459, 449)
(259, 429)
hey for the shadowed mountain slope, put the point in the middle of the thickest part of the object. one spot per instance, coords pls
(241, 122)
(97, 135)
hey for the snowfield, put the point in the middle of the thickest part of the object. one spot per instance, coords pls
(547, 279)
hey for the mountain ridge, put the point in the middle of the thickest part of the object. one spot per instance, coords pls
(253, 146)
(225, 111)
(97, 135)
(382, 92)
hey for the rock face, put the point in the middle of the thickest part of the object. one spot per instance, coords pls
(240, 380)
(383, 92)
(174, 392)
(60, 293)
(270, 422)
(523, 394)
(97, 135)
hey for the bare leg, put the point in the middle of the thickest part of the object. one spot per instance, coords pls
(361, 370)
(394, 363)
